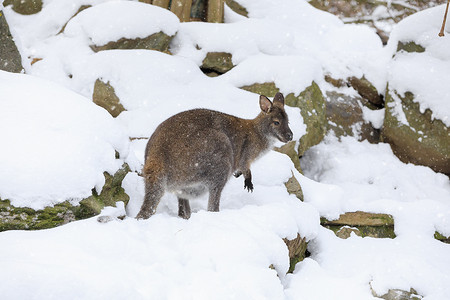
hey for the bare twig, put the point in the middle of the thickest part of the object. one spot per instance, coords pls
(441, 33)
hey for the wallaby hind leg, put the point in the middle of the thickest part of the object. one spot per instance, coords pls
(214, 198)
(153, 193)
(184, 209)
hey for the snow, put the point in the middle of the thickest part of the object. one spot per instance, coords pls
(423, 74)
(114, 20)
(58, 144)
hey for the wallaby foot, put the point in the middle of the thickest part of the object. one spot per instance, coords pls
(248, 184)
(248, 180)
(153, 194)
(184, 209)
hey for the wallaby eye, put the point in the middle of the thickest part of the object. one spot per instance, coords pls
(276, 123)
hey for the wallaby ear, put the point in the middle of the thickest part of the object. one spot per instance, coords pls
(265, 104)
(279, 99)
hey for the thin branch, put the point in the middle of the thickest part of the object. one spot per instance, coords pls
(441, 33)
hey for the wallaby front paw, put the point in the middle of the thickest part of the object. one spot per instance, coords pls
(237, 174)
(248, 185)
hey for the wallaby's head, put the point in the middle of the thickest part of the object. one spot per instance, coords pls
(274, 118)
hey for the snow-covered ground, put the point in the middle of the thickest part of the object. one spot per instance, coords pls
(55, 145)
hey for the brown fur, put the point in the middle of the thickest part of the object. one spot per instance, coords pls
(197, 151)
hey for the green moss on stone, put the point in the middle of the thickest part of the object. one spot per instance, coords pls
(24, 218)
(158, 41)
(313, 110)
(424, 140)
(410, 47)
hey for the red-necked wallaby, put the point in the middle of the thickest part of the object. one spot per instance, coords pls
(197, 151)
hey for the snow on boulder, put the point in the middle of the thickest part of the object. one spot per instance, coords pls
(417, 116)
(55, 144)
(124, 25)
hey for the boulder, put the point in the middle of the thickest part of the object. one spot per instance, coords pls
(22, 218)
(105, 96)
(25, 7)
(421, 139)
(10, 59)
(363, 224)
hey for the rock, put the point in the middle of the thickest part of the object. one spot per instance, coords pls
(366, 90)
(25, 7)
(367, 224)
(10, 59)
(220, 62)
(293, 187)
(396, 294)
(158, 41)
(297, 251)
(312, 108)
(410, 47)
(424, 140)
(346, 231)
(345, 117)
(21, 218)
(105, 96)
(441, 237)
(237, 8)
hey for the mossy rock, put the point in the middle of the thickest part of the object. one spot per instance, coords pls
(158, 41)
(424, 140)
(297, 251)
(105, 96)
(10, 59)
(23, 218)
(25, 7)
(410, 47)
(219, 62)
(312, 108)
(363, 224)
(442, 238)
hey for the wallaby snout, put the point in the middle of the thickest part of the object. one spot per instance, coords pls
(197, 151)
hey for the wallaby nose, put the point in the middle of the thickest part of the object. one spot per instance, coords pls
(289, 136)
